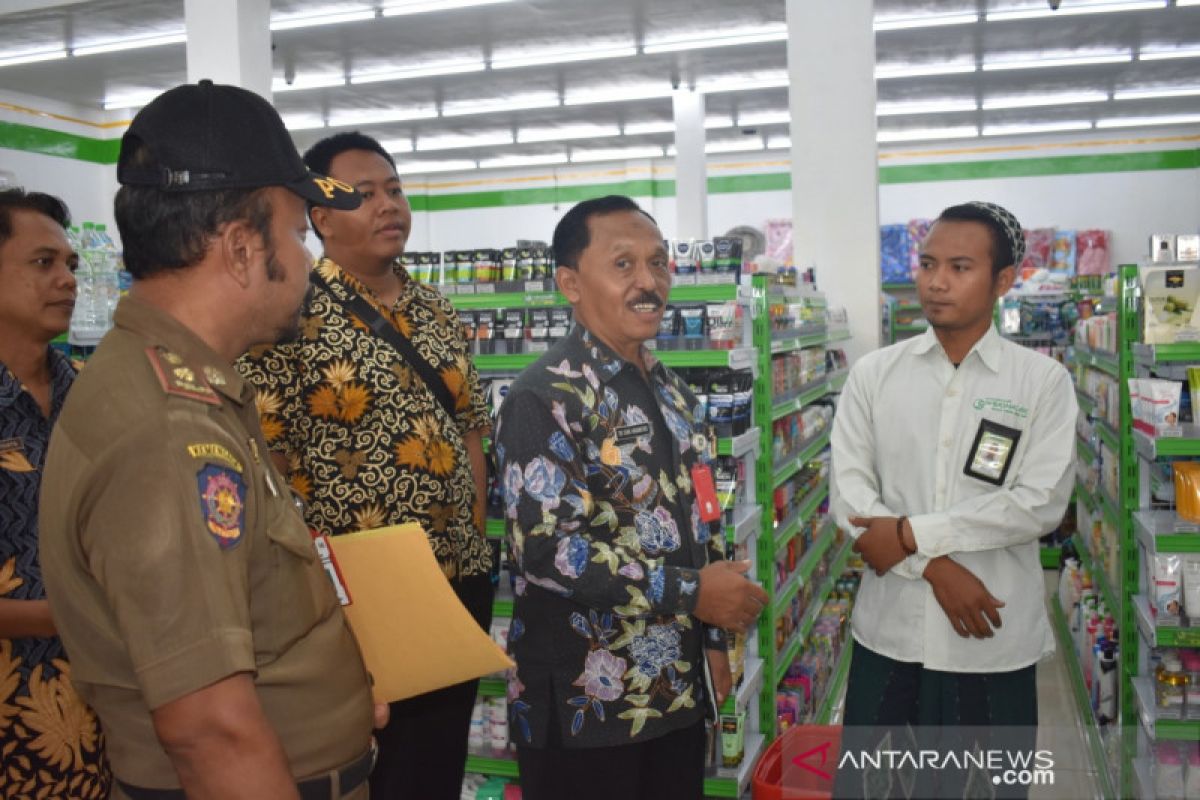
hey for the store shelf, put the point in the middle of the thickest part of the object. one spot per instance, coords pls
(1098, 359)
(789, 343)
(792, 649)
(807, 394)
(1083, 701)
(1108, 506)
(1087, 403)
(833, 337)
(484, 295)
(784, 594)
(914, 328)
(739, 445)
(1085, 450)
(836, 684)
(494, 528)
(737, 358)
(491, 765)
(752, 683)
(1099, 576)
(1108, 435)
(807, 507)
(736, 783)
(1152, 354)
(1159, 634)
(493, 687)
(1166, 532)
(1160, 728)
(746, 522)
(822, 542)
(502, 608)
(1169, 446)
(808, 450)
(1143, 779)
(899, 287)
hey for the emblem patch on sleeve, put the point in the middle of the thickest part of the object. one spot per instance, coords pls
(223, 504)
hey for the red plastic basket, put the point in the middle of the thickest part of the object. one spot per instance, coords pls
(799, 765)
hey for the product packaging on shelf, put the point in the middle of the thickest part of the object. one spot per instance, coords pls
(1169, 296)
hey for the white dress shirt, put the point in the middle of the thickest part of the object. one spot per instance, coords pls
(901, 439)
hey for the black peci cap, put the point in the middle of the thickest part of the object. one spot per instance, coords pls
(206, 136)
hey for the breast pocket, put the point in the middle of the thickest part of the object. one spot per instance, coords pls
(296, 594)
(992, 451)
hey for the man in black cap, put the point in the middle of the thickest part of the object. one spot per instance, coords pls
(952, 455)
(201, 625)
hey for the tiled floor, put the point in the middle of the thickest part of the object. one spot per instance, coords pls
(1060, 731)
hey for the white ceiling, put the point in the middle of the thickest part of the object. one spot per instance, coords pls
(626, 99)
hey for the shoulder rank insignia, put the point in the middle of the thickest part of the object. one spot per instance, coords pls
(222, 503)
(179, 379)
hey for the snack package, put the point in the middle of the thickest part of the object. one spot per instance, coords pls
(1091, 253)
(1160, 405)
(1039, 243)
(1167, 594)
(1062, 257)
(1186, 476)
(1170, 295)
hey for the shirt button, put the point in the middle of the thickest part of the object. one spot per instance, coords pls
(952, 393)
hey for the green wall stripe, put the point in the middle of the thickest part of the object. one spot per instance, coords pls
(544, 195)
(56, 143)
(1034, 167)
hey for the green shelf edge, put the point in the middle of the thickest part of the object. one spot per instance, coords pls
(835, 686)
(1051, 557)
(898, 286)
(1082, 699)
(810, 614)
(1097, 573)
(788, 470)
(494, 528)
(1105, 362)
(493, 687)
(482, 765)
(910, 328)
(810, 504)
(1085, 450)
(502, 608)
(709, 293)
(1109, 435)
(1086, 401)
(493, 362)
(1170, 353)
(781, 410)
(808, 561)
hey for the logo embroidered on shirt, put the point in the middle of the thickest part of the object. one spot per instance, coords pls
(223, 504)
(1002, 406)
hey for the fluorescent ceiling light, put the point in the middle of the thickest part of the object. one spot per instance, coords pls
(32, 57)
(751, 83)
(1102, 7)
(779, 143)
(423, 6)
(885, 71)
(1138, 122)
(418, 71)
(1187, 2)
(1157, 94)
(582, 53)
(380, 116)
(1036, 127)
(458, 142)
(1163, 55)
(565, 132)
(397, 145)
(734, 145)
(718, 121)
(308, 82)
(616, 95)
(135, 43)
(711, 39)
(615, 154)
(916, 135)
(131, 100)
(924, 21)
(945, 106)
(407, 168)
(1046, 60)
(303, 122)
(643, 128)
(753, 118)
(524, 161)
(463, 108)
(294, 21)
(1040, 100)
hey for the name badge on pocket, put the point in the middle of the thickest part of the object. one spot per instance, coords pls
(992, 452)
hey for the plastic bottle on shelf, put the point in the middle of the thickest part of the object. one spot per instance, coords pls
(97, 286)
(1171, 686)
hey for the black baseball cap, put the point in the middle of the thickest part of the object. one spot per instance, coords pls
(207, 136)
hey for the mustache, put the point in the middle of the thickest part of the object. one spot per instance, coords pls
(648, 297)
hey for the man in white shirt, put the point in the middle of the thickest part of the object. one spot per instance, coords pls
(952, 456)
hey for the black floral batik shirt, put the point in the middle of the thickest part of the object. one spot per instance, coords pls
(50, 742)
(367, 443)
(607, 543)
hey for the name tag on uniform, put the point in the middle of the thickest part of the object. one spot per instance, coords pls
(329, 562)
(631, 433)
(992, 452)
(706, 493)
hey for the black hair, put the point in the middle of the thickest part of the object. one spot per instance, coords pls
(163, 231)
(1002, 249)
(319, 158)
(572, 235)
(17, 199)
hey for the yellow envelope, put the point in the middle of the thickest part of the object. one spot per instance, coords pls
(414, 634)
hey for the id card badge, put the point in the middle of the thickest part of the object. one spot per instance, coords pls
(706, 493)
(992, 452)
(330, 565)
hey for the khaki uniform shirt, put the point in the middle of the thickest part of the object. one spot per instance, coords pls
(174, 557)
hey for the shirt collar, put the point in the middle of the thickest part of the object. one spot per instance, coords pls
(988, 347)
(334, 273)
(160, 328)
(604, 359)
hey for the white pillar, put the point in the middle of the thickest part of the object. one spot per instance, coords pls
(835, 172)
(691, 172)
(229, 41)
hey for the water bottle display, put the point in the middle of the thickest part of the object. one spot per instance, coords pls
(98, 285)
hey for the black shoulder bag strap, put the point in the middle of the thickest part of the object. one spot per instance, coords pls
(381, 327)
